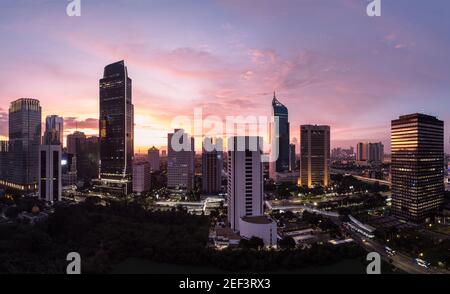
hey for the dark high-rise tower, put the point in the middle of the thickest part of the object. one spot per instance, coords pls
(24, 142)
(116, 129)
(417, 166)
(212, 166)
(282, 163)
(314, 155)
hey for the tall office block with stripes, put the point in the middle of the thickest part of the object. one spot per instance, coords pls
(417, 166)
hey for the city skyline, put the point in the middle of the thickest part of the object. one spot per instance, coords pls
(226, 56)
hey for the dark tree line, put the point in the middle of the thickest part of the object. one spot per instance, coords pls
(107, 235)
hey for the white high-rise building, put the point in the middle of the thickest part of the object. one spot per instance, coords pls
(50, 183)
(245, 179)
(181, 160)
(153, 159)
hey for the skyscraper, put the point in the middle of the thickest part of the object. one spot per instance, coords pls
(4, 159)
(74, 141)
(24, 142)
(69, 169)
(153, 159)
(212, 166)
(54, 130)
(141, 177)
(417, 166)
(245, 179)
(292, 158)
(50, 181)
(116, 130)
(181, 160)
(50, 169)
(315, 155)
(367, 153)
(280, 138)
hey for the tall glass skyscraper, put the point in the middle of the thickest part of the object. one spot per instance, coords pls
(417, 166)
(116, 129)
(282, 136)
(54, 130)
(24, 143)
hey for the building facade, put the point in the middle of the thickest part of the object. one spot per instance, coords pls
(367, 153)
(245, 179)
(261, 226)
(116, 130)
(212, 166)
(180, 160)
(417, 169)
(54, 130)
(50, 171)
(153, 159)
(69, 169)
(315, 155)
(280, 139)
(24, 144)
(141, 177)
(292, 158)
(4, 160)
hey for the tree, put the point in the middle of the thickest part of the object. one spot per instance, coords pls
(252, 243)
(287, 243)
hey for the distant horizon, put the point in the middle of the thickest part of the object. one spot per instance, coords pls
(329, 63)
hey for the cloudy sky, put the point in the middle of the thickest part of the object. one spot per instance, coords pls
(328, 61)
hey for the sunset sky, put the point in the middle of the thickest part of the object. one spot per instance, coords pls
(327, 60)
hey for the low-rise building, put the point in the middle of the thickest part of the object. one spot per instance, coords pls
(262, 227)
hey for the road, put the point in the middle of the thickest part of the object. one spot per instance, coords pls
(399, 260)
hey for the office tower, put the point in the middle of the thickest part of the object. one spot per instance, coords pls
(50, 182)
(74, 141)
(24, 142)
(54, 130)
(292, 159)
(212, 166)
(245, 179)
(280, 138)
(315, 155)
(68, 169)
(361, 152)
(417, 166)
(141, 177)
(4, 159)
(369, 152)
(375, 152)
(116, 130)
(88, 159)
(86, 150)
(181, 160)
(153, 158)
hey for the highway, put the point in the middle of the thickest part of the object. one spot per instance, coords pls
(399, 260)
